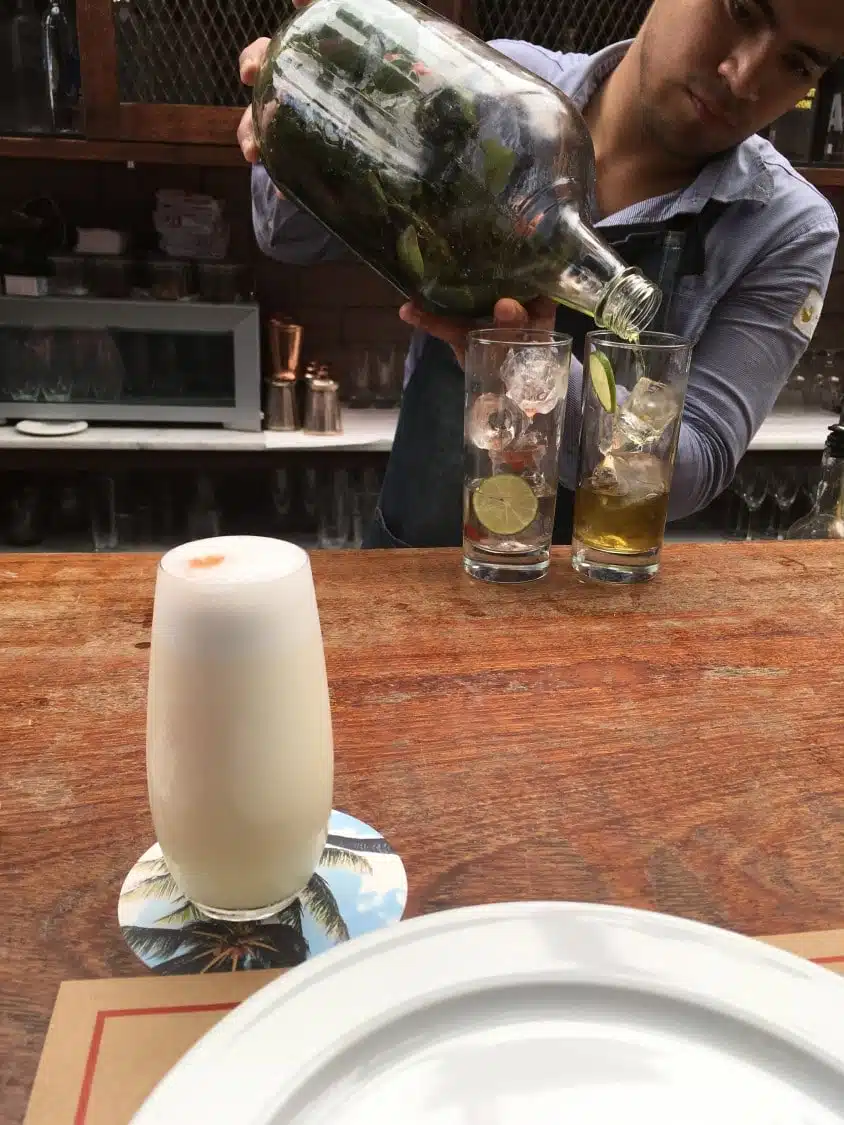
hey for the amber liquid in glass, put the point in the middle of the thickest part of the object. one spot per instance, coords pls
(610, 522)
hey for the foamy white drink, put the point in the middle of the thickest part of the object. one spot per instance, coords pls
(240, 755)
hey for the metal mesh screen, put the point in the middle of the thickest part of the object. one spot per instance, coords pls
(185, 52)
(559, 24)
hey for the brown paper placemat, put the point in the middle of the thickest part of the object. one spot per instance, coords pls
(110, 1041)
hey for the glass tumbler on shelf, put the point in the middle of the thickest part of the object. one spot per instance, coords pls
(632, 404)
(111, 278)
(360, 386)
(388, 367)
(240, 754)
(334, 516)
(171, 280)
(223, 283)
(364, 502)
(516, 385)
(69, 276)
(102, 502)
(831, 395)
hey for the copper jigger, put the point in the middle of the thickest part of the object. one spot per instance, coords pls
(285, 345)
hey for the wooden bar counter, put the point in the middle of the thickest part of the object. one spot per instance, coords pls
(677, 746)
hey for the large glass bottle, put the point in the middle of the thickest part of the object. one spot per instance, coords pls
(826, 519)
(457, 174)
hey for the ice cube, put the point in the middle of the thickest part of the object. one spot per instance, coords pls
(604, 477)
(607, 433)
(605, 430)
(645, 415)
(495, 422)
(534, 379)
(524, 457)
(636, 476)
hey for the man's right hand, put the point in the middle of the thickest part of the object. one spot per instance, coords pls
(539, 313)
(251, 61)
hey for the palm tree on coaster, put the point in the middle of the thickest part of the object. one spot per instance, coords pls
(185, 941)
(217, 947)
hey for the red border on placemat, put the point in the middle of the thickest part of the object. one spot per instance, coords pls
(97, 1038)
(111, 1013)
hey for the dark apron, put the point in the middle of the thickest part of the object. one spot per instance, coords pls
(421, 502)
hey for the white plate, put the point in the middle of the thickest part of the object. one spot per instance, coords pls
(34, 428)
(526, 1014)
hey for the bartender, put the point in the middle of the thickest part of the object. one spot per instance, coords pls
(673, 116)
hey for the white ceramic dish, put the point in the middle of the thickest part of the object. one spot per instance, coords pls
(35, 428)
(526, 1014)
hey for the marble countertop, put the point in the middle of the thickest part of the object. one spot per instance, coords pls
(371, 430)
(362, 429)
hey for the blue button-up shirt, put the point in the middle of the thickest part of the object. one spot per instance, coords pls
(750, 314)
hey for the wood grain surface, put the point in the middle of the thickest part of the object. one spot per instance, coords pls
(677, 746)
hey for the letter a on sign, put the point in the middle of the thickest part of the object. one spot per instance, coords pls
(836, 115)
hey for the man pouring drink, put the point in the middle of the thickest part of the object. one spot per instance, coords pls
(740, 245)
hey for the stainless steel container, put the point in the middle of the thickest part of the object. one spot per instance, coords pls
(322, 407)
(282, 412)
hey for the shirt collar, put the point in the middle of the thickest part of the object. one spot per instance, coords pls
(740, 174)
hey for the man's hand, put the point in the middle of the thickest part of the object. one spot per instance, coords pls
(250, 63)
(538, 313)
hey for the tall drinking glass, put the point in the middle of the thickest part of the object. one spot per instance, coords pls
(633, 396)
(516, 384)
(240, 755)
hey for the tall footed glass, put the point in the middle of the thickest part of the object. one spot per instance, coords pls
(516, 385)
(633, 396)
(457, 174)
(239, 745)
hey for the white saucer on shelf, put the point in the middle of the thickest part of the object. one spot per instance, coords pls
(50, 429)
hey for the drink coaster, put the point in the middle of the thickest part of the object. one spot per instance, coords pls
(359, 885)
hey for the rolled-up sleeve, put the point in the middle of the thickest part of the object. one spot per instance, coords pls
(748, 349)
(286, 233)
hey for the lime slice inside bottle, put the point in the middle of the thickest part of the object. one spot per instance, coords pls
(505, 504)
(603, 380)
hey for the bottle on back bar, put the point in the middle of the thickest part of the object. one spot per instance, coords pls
(457, 174)
(832, 110)
(826, 519)
(793, 133)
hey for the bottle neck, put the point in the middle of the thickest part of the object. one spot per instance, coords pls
(629, 306)
(597, 282)
(830, 499)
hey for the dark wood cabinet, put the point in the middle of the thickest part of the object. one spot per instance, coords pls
(162, 75)
(165, 71)
(160, 79)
